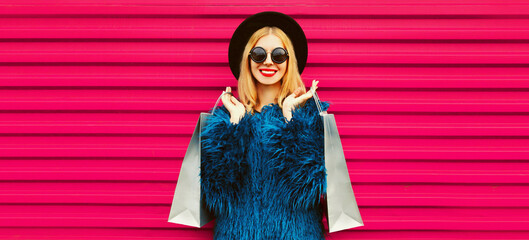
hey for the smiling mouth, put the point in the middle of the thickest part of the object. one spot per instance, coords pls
(267, 73)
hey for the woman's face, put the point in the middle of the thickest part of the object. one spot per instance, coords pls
(269, 43)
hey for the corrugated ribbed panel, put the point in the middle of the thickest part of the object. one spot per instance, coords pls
(98, 101)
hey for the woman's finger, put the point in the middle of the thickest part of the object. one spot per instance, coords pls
(226, 92)
(305, 96)
(293, 95)
(315, 83)
(234, 100)
(226, 101)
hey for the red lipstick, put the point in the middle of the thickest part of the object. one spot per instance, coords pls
(267, 74)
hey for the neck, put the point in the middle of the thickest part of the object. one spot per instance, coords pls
(267, 93)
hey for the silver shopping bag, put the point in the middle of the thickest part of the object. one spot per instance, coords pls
(188, 208)
(342, 211)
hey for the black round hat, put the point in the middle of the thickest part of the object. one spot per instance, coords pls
(257, 21)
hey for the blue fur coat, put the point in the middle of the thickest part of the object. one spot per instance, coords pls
(263, 178)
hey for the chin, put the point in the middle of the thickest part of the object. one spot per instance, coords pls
(268, 82)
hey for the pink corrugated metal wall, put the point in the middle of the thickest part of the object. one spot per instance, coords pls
(99, 99)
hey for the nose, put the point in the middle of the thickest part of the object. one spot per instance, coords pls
(268, 59)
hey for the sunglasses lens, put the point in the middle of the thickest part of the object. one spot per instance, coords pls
(258, 54)
(279, 55)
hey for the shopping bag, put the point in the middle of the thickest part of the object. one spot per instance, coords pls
(342, 211)
(188, 208)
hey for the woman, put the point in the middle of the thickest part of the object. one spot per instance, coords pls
(263, 169)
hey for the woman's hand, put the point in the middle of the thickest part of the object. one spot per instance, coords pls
(236, 108)
(294, 100)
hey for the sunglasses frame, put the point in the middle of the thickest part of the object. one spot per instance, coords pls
(271, 56)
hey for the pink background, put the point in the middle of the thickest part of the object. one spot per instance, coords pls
(99, 100)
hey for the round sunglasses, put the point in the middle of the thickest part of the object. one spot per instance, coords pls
(259, 55)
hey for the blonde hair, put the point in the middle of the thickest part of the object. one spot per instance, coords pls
(247, 83)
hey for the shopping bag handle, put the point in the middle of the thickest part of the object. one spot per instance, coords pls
(317, 100)
(218, 99)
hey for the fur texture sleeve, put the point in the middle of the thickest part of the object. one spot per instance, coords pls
(298, 147)
(223, 161)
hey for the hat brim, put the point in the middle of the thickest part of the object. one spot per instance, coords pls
(257, 21)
